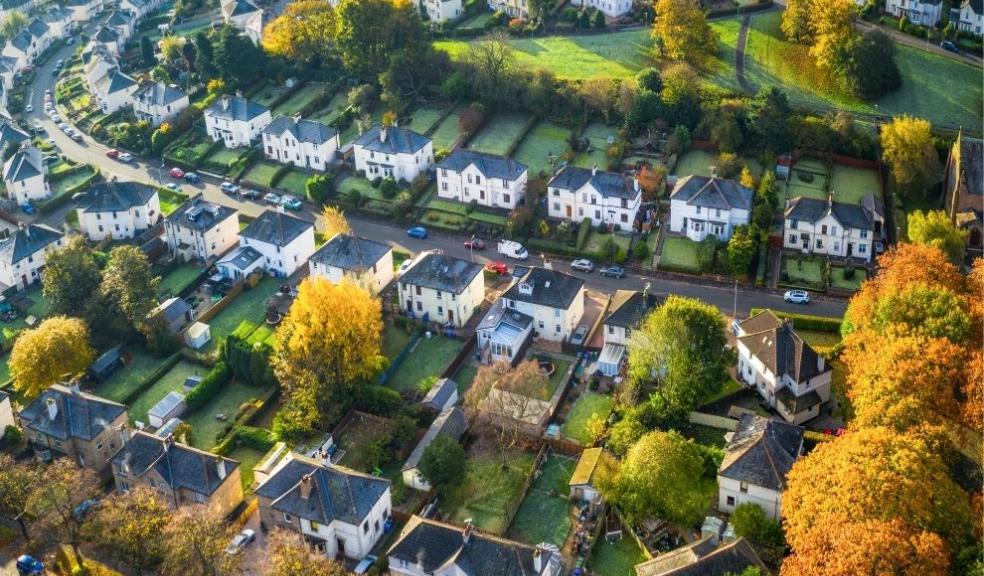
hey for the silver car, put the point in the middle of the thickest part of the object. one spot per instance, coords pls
(240, 541)
(797, 296)
(582, 265)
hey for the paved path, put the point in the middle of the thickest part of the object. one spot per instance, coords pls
(740, 54)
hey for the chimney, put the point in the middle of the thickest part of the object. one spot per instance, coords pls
(52, 409)
(220, 468)
(125, 464)
(714, 172)
(382, 133)
(74, 387)
(124, 431)
(466, 534)
(594, 170)
(306, 484)
(225, 101)
(296, 117)
(538, 559)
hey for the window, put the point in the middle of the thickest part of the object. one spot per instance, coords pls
(819, 243)
(418, 290)
(823, 229)
(440, 310)
(444, 186)
(611, 329)
(540, 324)
(743, 487)
(628, 332)
(365, 527)
(833, 230)
(420, 306)
(287, 518)
(557, 313)
(505, 198)
(698, 209)
(862, 248)
(557, 328)
(864, 234)
(731, 500)
(625, 217)
(314, 526)
(478, 179)
(438, 294)
(792, 238)
(717, 212)
(837, 246)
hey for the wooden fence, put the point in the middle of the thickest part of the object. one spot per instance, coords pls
(452, 368)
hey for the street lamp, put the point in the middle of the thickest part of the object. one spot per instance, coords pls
(471, 248)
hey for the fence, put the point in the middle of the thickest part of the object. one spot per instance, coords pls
(713, 421)
(463, 354)
(527, 482)
(398, 359)
(563, 446)
(219, 306)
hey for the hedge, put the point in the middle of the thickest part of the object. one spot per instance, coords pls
(256, 438)
(583, 231)
(49, 206)
(210, 385)
(806, 321)
(279, 174)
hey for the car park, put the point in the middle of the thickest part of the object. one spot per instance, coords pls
(497, 268)
(582, 265)
(240, 541)
(612, 272)
(418, 232)
(125, 157)
(290, 203)
(228, 187)
(271, 198)
(797, 296)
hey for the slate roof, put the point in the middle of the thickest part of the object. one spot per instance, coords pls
(451, 422)
(712, 193)
(242, 257)
(489, 165)
(11, 134)
(440, 272)
(80, 415)
(499, 314)
(105, 34)
(38, 28)
(57, 15)
(704, 558)
(25, 164)
(276, 228)
(7, 64)
(972, 150)
(976, 5)
(27, 241)
(116, 197)
(608, 184)
(873, 205)
(172, 309)
(439, 393)
(434, 545)
(235, 108)
(795, 404)
(119, 81)
(207, 215)
(119, 18)
(761, 452)
(551, 288)
(338, 493)
(22, 41)
(813, 209)
(158, 93)
(180, 465)
(238, 8)
(398, 140)
(302, 130)
(350, 253)
(780, 348)
(629, 307)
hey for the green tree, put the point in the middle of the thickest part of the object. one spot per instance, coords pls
(371, 31)
(682, 32)
(237, 60)
(443, 464)
(204, 56)
(624, 433)
(71, 277)
(305, 31)
(934, 228)
(63, 487)
(769, 119)
(599, 19)
(750, 521)
(18, 482)
(12, 24)
(741, 251)
(130, 284)
(650, 79)
(870, 71)
(147, 52)
(832, 25)
(796, 20)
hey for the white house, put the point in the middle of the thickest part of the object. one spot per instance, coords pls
(245, 16)
(553, 299)
(503, 334)
(141, 8)
(341, 511)
(393, 152)
(442, 289)
(118, 210)
(972, 17)
(114, 91)
(604, 197)
(284, 242)
(441, 10)
(514, 8)
(83, 10)
(757, 458)
(11, 134)
(24, 176)
(6, 411)
(24, 252)
(700, 206)
(60, 22)
(367, 263)
(830, 228)
(109, 38)
(123, 22)
(486, 179)
(452, 423)
(200, 230)
(303, 143)
(28, 43)
(157, 102)
(625, 313)
(8, 69)
(610, 8)
(235, 120)
(431, 548)
(709, 556)
(920, 12)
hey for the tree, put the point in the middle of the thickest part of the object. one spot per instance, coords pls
(659, 478)
(204, 55)
(371, 31)
(682, 31)
(130, 284)
(65, 486)
(237, 60)
(127, 527)
(329, 340)
(319, 188)
(71, 277)
(681, 346)
(443, 464)
(18, 482)
(650, 79)
(44, 355)
(769, 119)
(870, 71)
(492, 62)
(832, 26)
(12, 24)
(335, 222)
(503, 400)
(741, 251)
(304, 31)
(288, 554)
(624, 434)
(934, 228)
(750, 521)
(171, 49)
(796, 20)
(746, 179)
(147, 52)
(599, 19)
(907, 147)
(196, 538)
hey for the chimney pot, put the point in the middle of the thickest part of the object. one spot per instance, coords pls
(466, 534)
(306, 484)
(714, 171)
(52, 409)
(220, 468)
(594, 170)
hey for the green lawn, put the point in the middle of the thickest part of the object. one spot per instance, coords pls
(334, 109)
(680, 254)
(363, 186)
(444, 220)
(837, 278)
(261, 173)
(247, 458)
(802, 270)
(499, 133)
(545, 514)
(707, 435)
(545, 141)
(4, 369)
(807, 178)
(584, 408)
(268, 95)
(447, 133)
(488, 218)
(205, 427)
(190, 148)
(177, 280)
(852, 184)
(615, 54)
(448, 206)
(557, 378)
(224, 157)
(429, 358)
(423, 119)
(171, 382)
(300, 99)
(394, 340)
(62, 185)
(356, 439)
(699, 162)
(247, 307)
(139, 365)
(476, 21)
(294, 182)
(170, 200)
(487, 490)
(597, 242)
(597, 152)
(618, 559)
(464, 377)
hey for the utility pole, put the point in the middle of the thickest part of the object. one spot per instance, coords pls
(734, 309)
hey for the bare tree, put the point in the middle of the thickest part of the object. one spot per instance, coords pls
(62, 488)
(493, 60)
(196, 540)
(506, 401)
(128, 528)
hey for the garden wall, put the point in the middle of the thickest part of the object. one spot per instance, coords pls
(713, 421)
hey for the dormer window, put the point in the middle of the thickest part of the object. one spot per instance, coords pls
(525, 288)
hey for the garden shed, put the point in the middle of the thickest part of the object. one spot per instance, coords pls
(442, 395)
(106, 364)
(198, 335)
(170, 406)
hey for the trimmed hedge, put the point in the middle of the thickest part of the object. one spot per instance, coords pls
(49, 206)
(153, 378)
(279, 174)
(806, 321)
(583, 231)
(210, 385)
(256, 438)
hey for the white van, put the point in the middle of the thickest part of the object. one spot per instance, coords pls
(513, 249)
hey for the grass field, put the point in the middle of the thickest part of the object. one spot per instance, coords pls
(294, 182)
(352, 182)
(444, 220)
(247, 458)
(334, 109)
(487, 490)
(680, 254)
(807, 178)
(464, 377)
(837, 278)
(597, 242)
(446, 133)
(545, 514)
(177, 280)
(618, 559)
(852, 184)
(423, 119)
(172, 381)
(268, 95)
(429, 358)
(300, 99)
(597, 152)
(190, 148)
(247, 307)
(394, 340)
(205, 427)
(5, 369)
(499, 133)
(801, 270)
(261, 173)
(170, 200)
(543, 142)
(557, 378)
(224, 157)
(139, 365)
(585, 407)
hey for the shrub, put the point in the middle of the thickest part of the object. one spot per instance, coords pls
(640, 250)
(256, 438)
(807, 321)
(388, 188)
(849, 272)
(376, 399)
(210, 385)
(375, 182)
(443, 463)
(599, 19)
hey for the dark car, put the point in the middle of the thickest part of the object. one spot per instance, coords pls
(192, 178)
(949, 46)
(475, 244)
(612, 272)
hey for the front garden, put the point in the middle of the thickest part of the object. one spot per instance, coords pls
(680, 254)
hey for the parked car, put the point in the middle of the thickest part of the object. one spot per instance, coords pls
(512, 249)
(240, 541)
(229, 187)
(475, 244)
(949, 46)
(582, 265)
(290, 203)
(125, 157)
(365, 564)
(176, 172)
(271, 198)
(497, 268)
(28, 208)
(28, 565)
(112, 153)
(612, 272)
(29, 108)
(77, 136)
(418, 232)
(173, 186)
(38, 125)
(249, 194)
(192, 178)
(797, 296)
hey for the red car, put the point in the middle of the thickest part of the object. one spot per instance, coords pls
(475, 244)
(113, 153)
(176, 172)
(497, 267)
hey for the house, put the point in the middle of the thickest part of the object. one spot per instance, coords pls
(442, 395)
(182, 474)
(451, 423)
(170, 406)
(118, 210)
(6, 411)
(24, 252)
(704, 557)
(114, 91)
(22, 6)
(486, 179)
(235, 120)
(83, 10)
(27, 44)
(304, 143)
(341, 511)
(830, 228)
(504, 334)
(123, 23)
(63, 420)
(610, 8)
(157, 102)
(920, 12)
(284, 242)
(97, 64)
(593, 466)
(757, 459)
(392, 152)
(111, 39)
(431, 548)
(141, 8)
(603, 197)
(245, 16)
(972, 17)
(367, 263)
(11, 135)
(514, 8)
(700, 206)
(625, 313)
(8, 70)
(200, 230)
(60, 22)
(24, 176)
(175, 312)
(441, 10)
(963, 194)
(442, 289)
(788, 374)
(553, 299)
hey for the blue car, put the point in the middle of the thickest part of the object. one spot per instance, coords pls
(28, 208)
(418, 232)
(26, 565)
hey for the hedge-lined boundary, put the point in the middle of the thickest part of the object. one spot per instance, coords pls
(152, 379)
(805, 321)
(210, 385)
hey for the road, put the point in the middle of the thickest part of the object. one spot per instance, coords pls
(94, 153)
